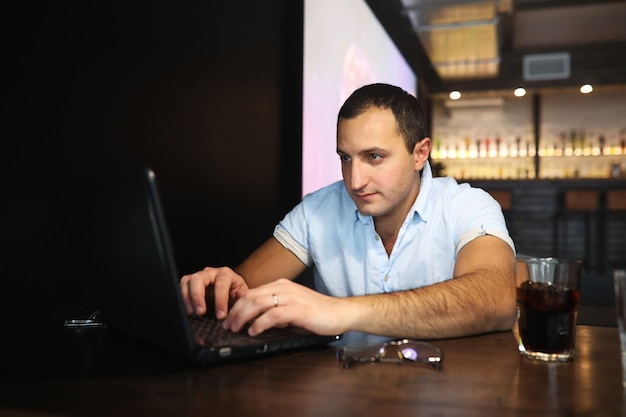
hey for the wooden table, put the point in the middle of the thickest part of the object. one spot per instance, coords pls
(481, 376)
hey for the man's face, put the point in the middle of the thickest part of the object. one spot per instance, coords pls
(380, 174)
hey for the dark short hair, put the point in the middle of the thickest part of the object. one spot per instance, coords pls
(405, 108)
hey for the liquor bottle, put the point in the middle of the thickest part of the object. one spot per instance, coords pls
(602, 141)
(615, 169)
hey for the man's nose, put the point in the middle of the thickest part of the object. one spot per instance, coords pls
(358, 176)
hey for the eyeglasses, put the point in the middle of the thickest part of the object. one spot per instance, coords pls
(403, 350)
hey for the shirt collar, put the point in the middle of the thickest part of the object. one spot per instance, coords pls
(421, 206)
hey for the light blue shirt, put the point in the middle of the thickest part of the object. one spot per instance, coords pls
(326, 231)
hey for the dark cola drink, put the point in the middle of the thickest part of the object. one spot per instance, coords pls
(547, 320)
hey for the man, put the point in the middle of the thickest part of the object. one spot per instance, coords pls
(395, 251)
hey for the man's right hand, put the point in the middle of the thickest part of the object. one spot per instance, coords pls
(227, 286)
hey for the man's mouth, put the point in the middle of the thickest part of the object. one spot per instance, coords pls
(364, 196)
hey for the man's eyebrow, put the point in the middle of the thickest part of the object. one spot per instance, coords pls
(371, 150)
(375, 149)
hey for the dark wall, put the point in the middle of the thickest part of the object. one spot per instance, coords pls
(206, 93)
(541, 225)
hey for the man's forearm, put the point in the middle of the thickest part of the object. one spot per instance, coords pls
(465, 305)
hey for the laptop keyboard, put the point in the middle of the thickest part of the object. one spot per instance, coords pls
(210, 329)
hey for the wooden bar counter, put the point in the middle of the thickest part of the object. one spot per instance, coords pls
(481, 376)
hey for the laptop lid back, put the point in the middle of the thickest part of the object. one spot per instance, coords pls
(115, 221)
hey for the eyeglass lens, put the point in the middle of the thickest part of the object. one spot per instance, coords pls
(396, 351)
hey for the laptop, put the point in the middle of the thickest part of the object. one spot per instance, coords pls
(116, 227)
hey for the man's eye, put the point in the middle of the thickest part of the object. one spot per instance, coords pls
(376, 156)
(344, 158)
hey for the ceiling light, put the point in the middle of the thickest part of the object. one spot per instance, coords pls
(586, 89)
(460, 37)
(519, 92)
(455, 95)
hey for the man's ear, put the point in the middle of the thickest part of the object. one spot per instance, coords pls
(421, 151)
